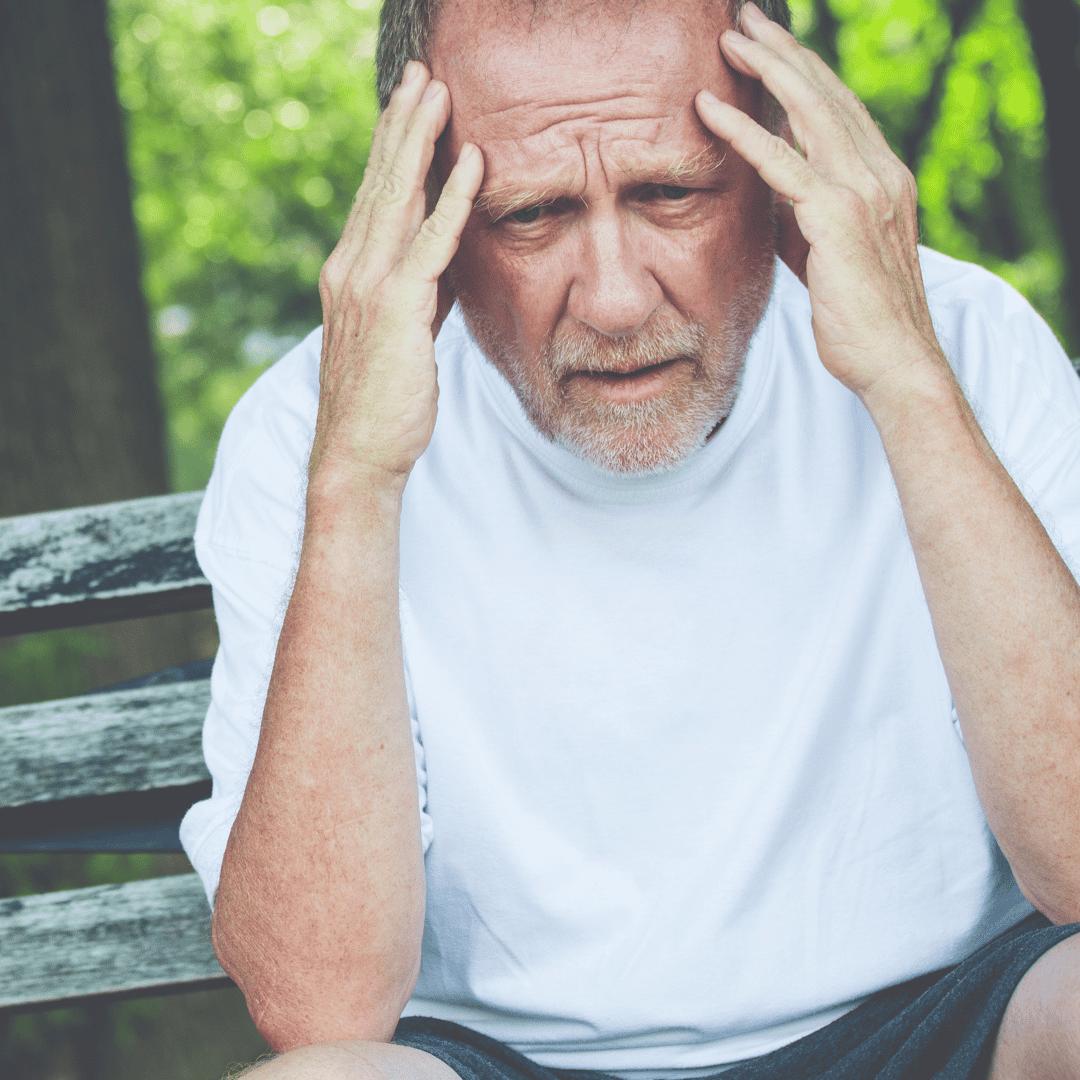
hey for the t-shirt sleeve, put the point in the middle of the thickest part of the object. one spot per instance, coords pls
(247, 542)
(1022, 387)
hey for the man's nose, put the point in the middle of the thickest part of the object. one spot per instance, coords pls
(614, 291)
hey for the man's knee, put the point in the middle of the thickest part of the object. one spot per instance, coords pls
(1039, 1038)
(352, 1060)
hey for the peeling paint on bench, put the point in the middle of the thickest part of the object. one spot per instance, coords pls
(145, 936)
(99, 563)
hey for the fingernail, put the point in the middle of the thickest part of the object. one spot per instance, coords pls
(707, 97)
(735, 35)
(751, 9)
(432, 90)
(411, 73)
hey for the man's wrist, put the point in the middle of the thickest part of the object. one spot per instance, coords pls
(915, 390)
(339, 489)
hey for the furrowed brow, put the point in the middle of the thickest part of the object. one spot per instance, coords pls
(500, 201)
(699, 166)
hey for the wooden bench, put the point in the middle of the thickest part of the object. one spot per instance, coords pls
(108, 771)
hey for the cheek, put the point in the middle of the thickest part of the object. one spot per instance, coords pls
(524, 295)
(699, 270)
(743, 235)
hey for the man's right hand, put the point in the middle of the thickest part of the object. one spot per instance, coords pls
(380, 290)
(319, 914)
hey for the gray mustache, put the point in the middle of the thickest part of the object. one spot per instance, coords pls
(585, 349)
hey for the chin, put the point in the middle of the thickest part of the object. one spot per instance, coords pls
(648, 437)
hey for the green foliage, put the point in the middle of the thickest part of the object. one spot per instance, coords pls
(248, 129)
(24, 875)
(983, 190)
(47, 665)
(979, 160)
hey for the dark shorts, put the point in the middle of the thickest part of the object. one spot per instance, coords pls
(940, 1026)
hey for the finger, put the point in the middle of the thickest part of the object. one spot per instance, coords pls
(390, 132)
(785, 49)
(864, 158)
(780, 165)
(396, 109)
(439, 236)
(393, 119)
(791, 245)
(814, 118)
(754, 24)
(408, 172)
(394, 202)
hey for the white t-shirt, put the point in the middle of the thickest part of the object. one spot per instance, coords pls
(691, 780)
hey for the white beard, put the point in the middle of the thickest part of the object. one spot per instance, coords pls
(641, 437)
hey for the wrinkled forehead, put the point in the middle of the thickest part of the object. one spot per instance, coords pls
(527, 79)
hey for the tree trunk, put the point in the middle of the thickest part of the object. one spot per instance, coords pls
(1054, 27)
(80, 417)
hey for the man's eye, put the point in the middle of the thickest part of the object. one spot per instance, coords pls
(669, 191)
(527, 215)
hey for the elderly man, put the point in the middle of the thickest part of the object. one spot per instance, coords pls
(696, 690)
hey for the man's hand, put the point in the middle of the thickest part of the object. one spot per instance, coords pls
(380, 290)
(853, 201)
(1005, 608)
(320, 909)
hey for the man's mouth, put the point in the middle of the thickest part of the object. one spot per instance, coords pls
(630, 373)
(624, 387)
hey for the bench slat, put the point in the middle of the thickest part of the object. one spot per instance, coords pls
(100, 744)
(100, 563)
(146, 936)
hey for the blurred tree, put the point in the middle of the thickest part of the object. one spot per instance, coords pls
(929, 108)
(80, 419)
(1054, 26)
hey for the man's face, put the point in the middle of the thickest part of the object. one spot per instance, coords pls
(618, 257)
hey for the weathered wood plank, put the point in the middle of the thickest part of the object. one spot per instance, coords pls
(99, 744)
(100, 563)
(144, 936)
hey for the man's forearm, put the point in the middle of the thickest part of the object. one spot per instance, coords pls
(320, 909)
(1006, 613)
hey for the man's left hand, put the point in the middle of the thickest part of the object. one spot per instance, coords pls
(853, 200)
(1005, 607)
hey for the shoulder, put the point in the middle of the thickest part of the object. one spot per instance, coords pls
(1008, 360)
(257, 485)
(980, 316)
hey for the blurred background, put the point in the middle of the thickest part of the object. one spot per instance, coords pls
(173, 174)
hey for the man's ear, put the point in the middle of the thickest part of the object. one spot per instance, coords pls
(774, 116)
(791, 246)
(432, 190)
(443, 304)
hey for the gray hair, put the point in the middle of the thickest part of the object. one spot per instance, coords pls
(405, 28)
